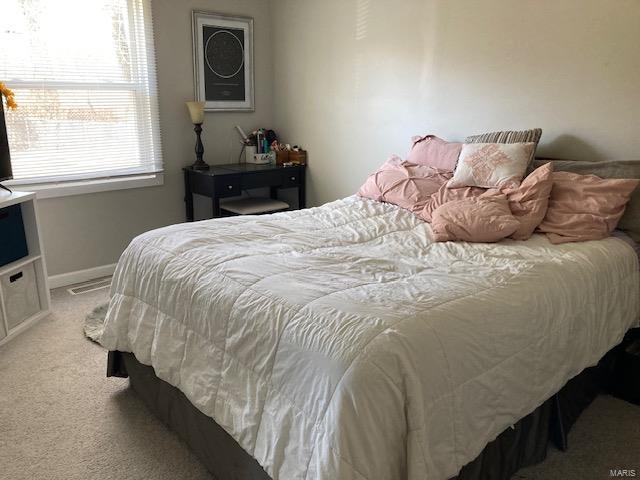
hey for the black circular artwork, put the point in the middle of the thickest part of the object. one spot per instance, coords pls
(224, 54)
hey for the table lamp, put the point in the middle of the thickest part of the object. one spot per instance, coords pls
(196, 110)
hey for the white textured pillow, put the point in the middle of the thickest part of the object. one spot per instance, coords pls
(492, 165)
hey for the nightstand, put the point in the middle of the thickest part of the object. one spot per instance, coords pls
(223, 181)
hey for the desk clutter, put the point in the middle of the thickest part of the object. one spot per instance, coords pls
(288, 155)
(262, 147)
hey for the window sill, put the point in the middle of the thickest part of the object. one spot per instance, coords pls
(81, 187)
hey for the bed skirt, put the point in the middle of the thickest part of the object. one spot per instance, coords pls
(523, 444)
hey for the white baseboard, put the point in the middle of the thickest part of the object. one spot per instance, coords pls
(71, 278)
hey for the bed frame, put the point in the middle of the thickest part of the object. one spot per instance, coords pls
(521, 445)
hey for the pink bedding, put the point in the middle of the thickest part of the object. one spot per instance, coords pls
(432, 151)
(585, 207)
(566, 206)
(445, 195)
(404, 184)
(485, 219)
(530, 200)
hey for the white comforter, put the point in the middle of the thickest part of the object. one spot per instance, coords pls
(340, 343)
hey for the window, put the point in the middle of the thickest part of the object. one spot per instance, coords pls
(83, 72)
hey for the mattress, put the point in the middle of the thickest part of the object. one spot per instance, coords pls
(342, 342)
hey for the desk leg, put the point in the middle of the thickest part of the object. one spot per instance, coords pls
(302, 192)
(188, 197)
(215, 204)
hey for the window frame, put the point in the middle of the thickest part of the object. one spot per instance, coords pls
(69, 184)
(53, 189)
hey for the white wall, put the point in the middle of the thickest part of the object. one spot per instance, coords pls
(87, 231)
(354, 79)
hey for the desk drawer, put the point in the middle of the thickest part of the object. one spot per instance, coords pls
(291, 177)
(227, 185)
(269, 178)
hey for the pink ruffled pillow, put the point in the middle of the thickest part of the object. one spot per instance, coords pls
(585, 207)
(486, 218)
(404, 184)
(529, 202)
(435, 152)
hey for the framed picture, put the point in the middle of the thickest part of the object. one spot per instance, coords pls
(223, 61)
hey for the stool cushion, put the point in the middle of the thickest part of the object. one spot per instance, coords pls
(253, 205)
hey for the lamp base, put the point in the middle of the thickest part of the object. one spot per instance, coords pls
(200, 165)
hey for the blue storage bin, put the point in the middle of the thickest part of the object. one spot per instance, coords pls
(13, 242)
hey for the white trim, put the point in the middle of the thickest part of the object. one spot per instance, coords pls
(79, 276)
(11, 198)
(82, 177)
(79, 187)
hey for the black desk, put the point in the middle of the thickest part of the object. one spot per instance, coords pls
(222, 181)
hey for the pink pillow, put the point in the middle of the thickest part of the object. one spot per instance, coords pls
(529, 201)
(584, 207)
(404, 184)
(446, 195)
(435, 152)
(486, 218)
(372, 188)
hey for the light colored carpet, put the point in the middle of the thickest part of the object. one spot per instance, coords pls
(605, 437)
(61, 418)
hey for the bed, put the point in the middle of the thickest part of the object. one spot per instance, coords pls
(342, 342)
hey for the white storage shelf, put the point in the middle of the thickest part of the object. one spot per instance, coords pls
(24, 291)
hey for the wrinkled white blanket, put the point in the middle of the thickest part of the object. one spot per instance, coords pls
(340, 342)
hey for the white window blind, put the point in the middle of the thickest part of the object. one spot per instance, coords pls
(83, 73)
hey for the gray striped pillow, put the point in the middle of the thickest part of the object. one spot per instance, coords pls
(510, 136)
